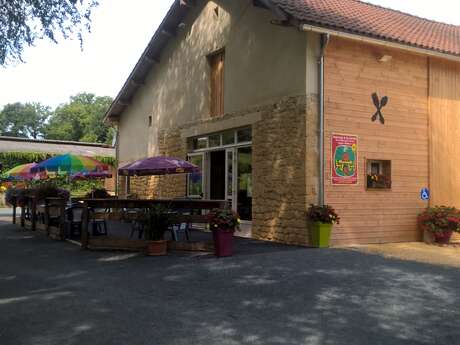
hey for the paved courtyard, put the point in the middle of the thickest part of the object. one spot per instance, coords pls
(52, 293)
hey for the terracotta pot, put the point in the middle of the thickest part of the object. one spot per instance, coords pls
(442, 237)
(157, 248)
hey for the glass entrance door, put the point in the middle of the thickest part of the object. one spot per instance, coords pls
(196, 181)
(244, 183)
(230, 180)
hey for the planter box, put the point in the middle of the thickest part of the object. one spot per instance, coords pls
(320, 235)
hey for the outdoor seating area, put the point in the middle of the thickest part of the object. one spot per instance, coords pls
(101, 221)
(114, 223)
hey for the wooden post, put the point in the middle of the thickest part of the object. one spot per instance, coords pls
(84, 227)
(47, 217)
(14, 210)
(62, 204)
(33, 214)
(23, 216)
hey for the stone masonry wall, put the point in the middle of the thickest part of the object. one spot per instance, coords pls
(166, 187)
(282, 190)
(285, 168)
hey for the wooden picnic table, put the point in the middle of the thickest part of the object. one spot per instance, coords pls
(114, 205)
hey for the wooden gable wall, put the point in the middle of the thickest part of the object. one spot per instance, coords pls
(353, 73)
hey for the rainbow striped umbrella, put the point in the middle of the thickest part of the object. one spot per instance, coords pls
(22, 172)
(70, 164)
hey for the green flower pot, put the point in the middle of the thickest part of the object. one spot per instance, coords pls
(321, 235)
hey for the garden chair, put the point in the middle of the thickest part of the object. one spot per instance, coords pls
(74, 218)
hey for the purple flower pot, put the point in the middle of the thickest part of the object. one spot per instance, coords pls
(223, 242)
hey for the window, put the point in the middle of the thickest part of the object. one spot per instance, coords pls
(378, 174)
(216, 140)
(216, 62)
(150, 121)
(195, 180)
(244, 135)
(228, 138)
(200, 143)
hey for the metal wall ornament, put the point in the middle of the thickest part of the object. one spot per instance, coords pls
(379, 104)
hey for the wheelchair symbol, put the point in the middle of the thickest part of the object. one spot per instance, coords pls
(425, 194)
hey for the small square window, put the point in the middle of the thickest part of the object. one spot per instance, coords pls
(200, 143)
(228, 138)
(244, 135)
(378, 174)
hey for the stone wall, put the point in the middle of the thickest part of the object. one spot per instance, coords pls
(154, 187)
(285, 167)
(282, 189)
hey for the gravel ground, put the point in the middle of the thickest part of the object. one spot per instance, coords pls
(417, 251)
(52, 293)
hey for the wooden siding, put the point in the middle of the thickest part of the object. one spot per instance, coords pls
(353, 73)
(217, 61)
(444, 132)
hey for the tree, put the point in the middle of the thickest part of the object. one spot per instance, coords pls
(81, 120)
(22, 22)
(25, 120)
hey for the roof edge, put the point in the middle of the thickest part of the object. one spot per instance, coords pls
(59, 142)
(379, 41)
(173, 10)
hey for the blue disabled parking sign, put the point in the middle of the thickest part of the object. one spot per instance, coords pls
(425, 194)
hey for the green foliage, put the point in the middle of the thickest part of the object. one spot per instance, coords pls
(156, 221)
(81, 120)
(107, 160)
(77, 188)
(22, 22)
(10, 160)
(223, 219)
(23, 120)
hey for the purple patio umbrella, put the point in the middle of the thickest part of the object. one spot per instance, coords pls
(158, 166)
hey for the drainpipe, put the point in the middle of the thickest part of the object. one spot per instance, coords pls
(117, 153)
(324, 41)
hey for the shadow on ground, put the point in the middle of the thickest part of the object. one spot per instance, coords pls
(53, 293)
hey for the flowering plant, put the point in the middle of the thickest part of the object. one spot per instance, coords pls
(323, 214)
(17, 194)
(440, 219)
(224, 219)
(378, 181)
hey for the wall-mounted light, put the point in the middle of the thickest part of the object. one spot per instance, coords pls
(385, 58)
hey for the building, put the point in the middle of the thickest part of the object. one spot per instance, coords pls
(55, 147)
(287, 103)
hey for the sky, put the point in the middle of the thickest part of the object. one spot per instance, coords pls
(121, 30)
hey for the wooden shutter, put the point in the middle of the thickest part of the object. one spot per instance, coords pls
(217, 83)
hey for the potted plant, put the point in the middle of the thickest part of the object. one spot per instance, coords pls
(223, 223)
(16, 194)
(98, 193)
(50, 190)
(441, 222)
(378, 181)
(156, 221)
(322, 219)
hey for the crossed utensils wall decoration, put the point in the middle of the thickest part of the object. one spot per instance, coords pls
(379, 104)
